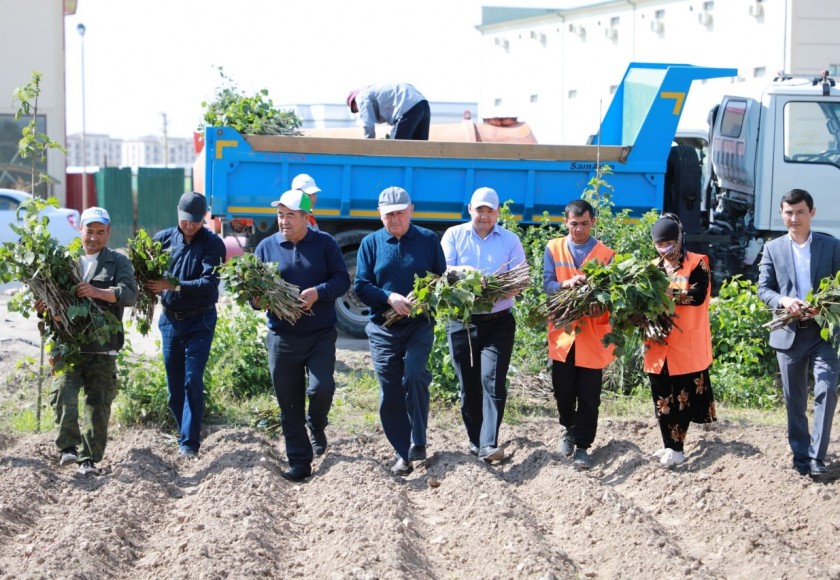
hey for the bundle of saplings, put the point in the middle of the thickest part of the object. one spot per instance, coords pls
(252, 281)
(823, 305)
(151, 262)
(633, 291)
(51, 273)
(458, 294)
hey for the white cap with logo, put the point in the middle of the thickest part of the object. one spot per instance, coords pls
(95, 214)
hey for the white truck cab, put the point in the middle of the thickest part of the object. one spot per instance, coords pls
(761, 147)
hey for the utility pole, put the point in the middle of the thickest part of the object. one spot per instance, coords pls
(165, 142)
(80, 28)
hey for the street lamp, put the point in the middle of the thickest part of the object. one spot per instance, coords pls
(80, 28)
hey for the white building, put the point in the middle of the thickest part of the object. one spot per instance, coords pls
(557, 69)
(102, 150)
(154, 150)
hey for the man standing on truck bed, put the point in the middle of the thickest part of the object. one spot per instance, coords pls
(399, 105)
(791, 266)
(388, 260)
(481, 350)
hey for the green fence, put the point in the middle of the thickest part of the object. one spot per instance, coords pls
(113, 192)
(158, 192)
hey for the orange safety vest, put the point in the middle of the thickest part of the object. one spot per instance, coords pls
(688, 348)
(588, 332)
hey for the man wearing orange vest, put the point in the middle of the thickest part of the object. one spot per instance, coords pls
(679, 369)
(578, 357)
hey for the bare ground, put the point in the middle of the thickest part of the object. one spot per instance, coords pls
(735, 509)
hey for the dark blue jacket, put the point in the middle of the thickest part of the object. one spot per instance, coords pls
(314, 262)
(194, 265)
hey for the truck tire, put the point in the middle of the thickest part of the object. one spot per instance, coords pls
(351, 313)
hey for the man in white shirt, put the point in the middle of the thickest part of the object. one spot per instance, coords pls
(791, 266)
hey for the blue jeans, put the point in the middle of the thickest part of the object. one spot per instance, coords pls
(400, 354)
(186, 348)
(291, 358)
(481, 356)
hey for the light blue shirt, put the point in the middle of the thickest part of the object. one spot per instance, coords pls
(385, 104)
(802, 264)
(499, 252)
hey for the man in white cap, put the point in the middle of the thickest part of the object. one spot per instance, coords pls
(387, 261)
(306, 184)
(482, 349)
(188, 321)
(312, 261)
(107, 280)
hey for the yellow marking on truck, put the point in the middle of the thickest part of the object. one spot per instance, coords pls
(220, 145)
(678, 97)
(252, 210)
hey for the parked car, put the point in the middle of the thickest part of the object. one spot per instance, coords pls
(63, 224)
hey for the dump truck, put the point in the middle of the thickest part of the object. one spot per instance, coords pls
(759, 147)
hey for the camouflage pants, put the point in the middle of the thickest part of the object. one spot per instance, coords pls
(96, 374)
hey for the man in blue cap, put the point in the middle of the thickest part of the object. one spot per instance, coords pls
(188, 321)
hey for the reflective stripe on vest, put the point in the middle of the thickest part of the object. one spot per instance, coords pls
(689, 346)
(588, 332)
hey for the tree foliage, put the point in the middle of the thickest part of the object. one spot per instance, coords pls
(252, 115)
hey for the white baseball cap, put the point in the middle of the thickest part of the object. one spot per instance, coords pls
(95, 214)
(305, 183)
(485, 196)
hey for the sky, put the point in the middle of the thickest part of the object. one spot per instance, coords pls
(147, 58)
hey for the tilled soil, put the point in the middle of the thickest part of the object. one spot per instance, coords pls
(735, 509)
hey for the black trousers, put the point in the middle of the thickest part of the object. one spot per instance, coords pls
(414, 124)
(482, 373)
(577, 391)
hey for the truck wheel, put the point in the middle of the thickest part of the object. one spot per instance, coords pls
(351, 314)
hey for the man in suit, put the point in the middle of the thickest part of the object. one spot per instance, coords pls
(790, 267)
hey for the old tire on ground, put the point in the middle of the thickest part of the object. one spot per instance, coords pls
(351, 314)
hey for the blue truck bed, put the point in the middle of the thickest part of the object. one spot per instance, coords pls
(244, 174)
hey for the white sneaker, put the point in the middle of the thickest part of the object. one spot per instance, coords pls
(659, 453)
(671, 458)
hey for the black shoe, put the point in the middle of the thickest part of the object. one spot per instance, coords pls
(490, 453)
(817, 468)
(402, 467)
(582, 459)
(474, 449)
(567, 443)
(801, 469)
(417, 453)
(317, 438)
(296, 473)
